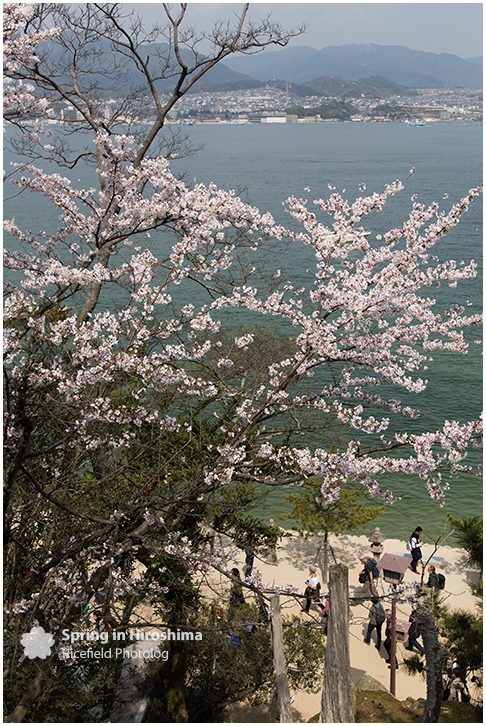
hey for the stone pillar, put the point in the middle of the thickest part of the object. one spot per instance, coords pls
(282, 684)
(337, 704)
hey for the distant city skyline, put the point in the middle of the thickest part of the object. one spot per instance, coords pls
(455, 28)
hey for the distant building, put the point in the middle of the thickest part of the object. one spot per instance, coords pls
(275, 118)
(70, 114)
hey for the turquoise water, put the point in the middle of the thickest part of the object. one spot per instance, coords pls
(269, 163)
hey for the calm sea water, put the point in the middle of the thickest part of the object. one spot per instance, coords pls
(268, 163)
(273, 162)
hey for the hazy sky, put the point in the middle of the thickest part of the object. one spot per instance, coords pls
(435, 27)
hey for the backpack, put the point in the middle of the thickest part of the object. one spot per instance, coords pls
(375, 570)
(441, 581)
(363, 575)
(413, 542)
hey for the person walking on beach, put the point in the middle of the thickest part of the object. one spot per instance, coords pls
(367, 577)
(415, 544)
(387, 642)
(312, 589)
(236, 591)
(376, 619)
(433, 580)
(413, 634)
(454, 666)
(249, 557)
(458, 690)
(272, 545)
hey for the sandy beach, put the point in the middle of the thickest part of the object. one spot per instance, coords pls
(295, 555)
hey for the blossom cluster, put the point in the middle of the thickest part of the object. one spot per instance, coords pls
(19, 100)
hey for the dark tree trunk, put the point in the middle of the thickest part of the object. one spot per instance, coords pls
(337, 690)
(173, 683)
(435, 655)
(31, 694)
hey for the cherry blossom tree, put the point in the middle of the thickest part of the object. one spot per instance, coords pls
(132, 406)
(56, 557)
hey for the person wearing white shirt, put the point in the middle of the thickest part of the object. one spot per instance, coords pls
(415, 545)
(312, 588)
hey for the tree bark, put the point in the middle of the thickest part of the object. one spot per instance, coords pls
(337, 704)
(173, 683)
(29, 697)
(282, 684)
(393, 649)
(435, 655)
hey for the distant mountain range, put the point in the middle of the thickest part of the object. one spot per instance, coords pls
(410, 68)
(377, 68)
(348, 71)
